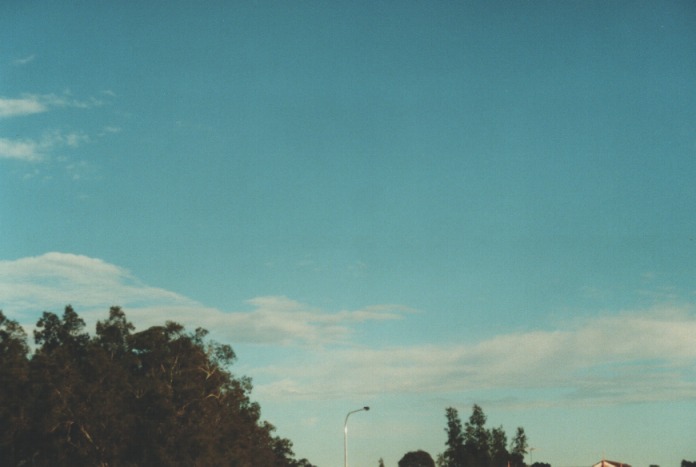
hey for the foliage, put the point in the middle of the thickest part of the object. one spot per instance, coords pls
(417, 459)
(499, 455)
(454, 454)
(477, 438)
(473, 445)
(518, 449)
(162, 396)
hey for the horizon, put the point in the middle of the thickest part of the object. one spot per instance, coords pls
(406, 206)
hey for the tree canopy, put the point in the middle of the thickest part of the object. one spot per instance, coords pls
(161, 396)
(417, 459)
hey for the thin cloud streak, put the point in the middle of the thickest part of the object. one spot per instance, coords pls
(92, 285)
(29, 150)
(24, 60)
(30, 104)
(632, 356)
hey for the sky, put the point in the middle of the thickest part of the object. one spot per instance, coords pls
(405, 205)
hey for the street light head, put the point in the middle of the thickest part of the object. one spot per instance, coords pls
(366, 408)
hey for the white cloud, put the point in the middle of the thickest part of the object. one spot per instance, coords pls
(632, 356)
(23, 106)
(39, 149)
(24, 150)
(30, 104)
(32, 150)
(280, 320)
(66, 100)
(91, 285)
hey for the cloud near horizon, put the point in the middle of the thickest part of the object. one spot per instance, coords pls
(626, 357)
(53, 280)
(631, 357)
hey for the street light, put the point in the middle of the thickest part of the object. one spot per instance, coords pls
(345, 435)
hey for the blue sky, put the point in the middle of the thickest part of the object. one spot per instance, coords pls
(407, 205)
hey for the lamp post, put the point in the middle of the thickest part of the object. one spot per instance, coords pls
(345, 434)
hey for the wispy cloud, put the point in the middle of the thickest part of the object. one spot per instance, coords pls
(42, 148)
(23, 106)
(280, 320)
(29, 104)
(109, 130)
(24, 60)
(630, 356)
(30, 150)
(24, 150)
(53, 280)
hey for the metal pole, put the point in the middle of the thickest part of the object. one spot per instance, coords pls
(345, 435)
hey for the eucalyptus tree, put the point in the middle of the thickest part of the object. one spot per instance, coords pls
(161, 396)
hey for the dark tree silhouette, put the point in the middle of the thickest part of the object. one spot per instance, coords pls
(162, 396)
(417, 459)
(476, 446)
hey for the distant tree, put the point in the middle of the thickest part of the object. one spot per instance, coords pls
(498, 448)
(381, 462)
(544, 464)
(685, 463)
(518, 448)
(454, 454)
(417, 459)
(301, 463)
(477, 443)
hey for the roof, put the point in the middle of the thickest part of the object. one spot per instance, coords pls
(608, 463)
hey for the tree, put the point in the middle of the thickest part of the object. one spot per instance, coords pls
(162, 396)
(417, 459)
(454, 454)
(518, 449)
(498, 449)
(475, 446)
(685, 463)
(477, 439)
(60, 402)
(381, 462)
(14, 373)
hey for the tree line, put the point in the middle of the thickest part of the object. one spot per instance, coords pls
(472, 444)
(162, 396)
